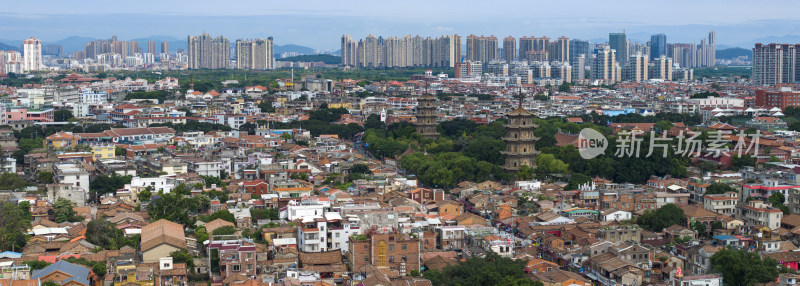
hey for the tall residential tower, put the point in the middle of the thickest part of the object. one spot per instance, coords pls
(206, 52)
(254, 54)
(32, 54)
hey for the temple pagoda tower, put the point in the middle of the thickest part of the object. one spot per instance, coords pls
(426, 117)
(520, 140)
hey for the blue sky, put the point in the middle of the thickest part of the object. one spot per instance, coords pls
(319, 24)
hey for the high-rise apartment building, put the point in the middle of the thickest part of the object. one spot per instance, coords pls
(349, 48)
(133, 48)
(407, 51)
(165, 47)
(661, 68)
(578, 67)
(683, 54)
(578, 47)
(11, 61)
(151, 47)
(775, 63)
(689, 55)
(619, 43)
(525, 46)
(541, 44)
(710, 55)
(604, 65)
(481, 48)
(468, 69)
(636, 68)
(52, 49)
(254, 54)
(509, 49)
(559, 50)
(206, 52)
(32, 53)
(658, 46)
(638, 48)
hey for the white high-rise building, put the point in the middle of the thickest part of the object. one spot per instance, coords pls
(11, 61)
(32, 53)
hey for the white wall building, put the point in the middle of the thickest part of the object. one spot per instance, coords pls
(32, 53)
(72, 174)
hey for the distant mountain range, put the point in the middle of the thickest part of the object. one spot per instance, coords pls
(732, 53)
(4, 47)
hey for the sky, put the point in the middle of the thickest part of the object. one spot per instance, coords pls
(319, 24)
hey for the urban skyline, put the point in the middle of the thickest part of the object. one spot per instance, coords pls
(319, 25)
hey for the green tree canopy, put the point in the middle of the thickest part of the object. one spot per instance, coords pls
(360, 168)
(221, 214)
(662, 218)
(719, 188)
(62, 115)
(105, 234)
(225, 230)
(11, 181)
(14, 224)
(265, 213)
(45, 177)
(744, 268)
(489, 270)
(103, 184)
(64, 210)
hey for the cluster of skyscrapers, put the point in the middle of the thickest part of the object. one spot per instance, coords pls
(406, 51)
(207, 52)
(122, 48)
(618, 59)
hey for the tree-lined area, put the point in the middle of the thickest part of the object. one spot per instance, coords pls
(467, 151)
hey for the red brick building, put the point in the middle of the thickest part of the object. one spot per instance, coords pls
(384, 247)
(780, 99)
(424, 196)
(256, 187)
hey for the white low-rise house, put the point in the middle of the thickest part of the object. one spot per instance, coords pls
(529, 185)
(70, 192)
(759, 213)
(48, 232)
(8, 165)
(721, 203)
(615, 215)
(502, 246)
(157, 184)
(701, 280)
(242, 216)
(340, 230)
(306, 208)
(204, 167)
(72, 174)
